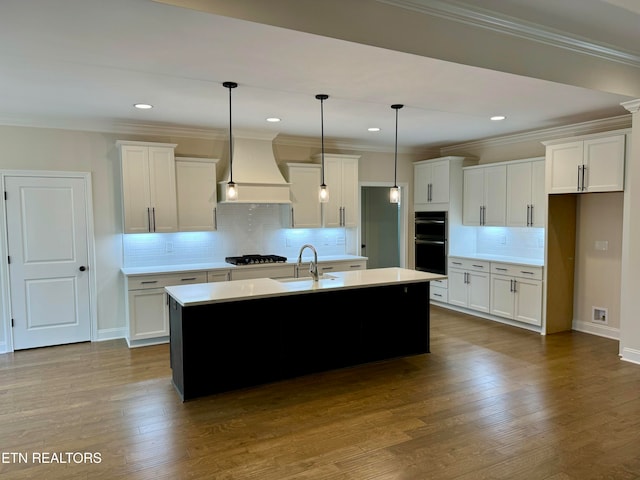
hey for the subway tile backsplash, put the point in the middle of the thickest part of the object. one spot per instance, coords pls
(525, 242)
(242, 229)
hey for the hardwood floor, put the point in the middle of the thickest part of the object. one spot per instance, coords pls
(489, 402)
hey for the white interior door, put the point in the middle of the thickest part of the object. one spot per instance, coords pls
(48, 252)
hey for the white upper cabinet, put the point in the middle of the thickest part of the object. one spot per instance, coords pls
(431, 182)
(484, 195)
(148, 187)
(526, 199)
(305, 179)
(196, 194)
(590, 164)
(341, 178)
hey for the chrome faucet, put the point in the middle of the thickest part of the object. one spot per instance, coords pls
(313, 265)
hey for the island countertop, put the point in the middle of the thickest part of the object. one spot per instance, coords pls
(218, 292)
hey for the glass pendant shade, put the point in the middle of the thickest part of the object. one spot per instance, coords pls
(232, 192)
(324, 194)
(394, 194)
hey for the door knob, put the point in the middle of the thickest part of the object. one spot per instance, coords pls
(83, 268)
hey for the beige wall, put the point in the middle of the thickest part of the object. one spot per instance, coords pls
(597, 273)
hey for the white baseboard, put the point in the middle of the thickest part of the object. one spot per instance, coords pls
(630, 355)
(596, 329)
(110, 334)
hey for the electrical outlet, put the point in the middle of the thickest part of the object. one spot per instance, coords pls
(600, 315)
(168, 247)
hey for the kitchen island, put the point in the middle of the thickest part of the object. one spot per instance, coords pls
(242, 333)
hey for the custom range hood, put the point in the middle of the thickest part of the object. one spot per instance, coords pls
(255, 171)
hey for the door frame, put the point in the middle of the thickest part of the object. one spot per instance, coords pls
(6, 345)
(403, 216)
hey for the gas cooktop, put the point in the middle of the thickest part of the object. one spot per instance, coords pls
(255, 259)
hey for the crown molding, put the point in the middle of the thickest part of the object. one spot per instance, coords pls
(594, 126)
(633, 106)
(511, 26)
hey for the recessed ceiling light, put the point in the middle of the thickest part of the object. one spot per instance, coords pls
(143, 106)
(373, 129)
(496, 118)
(273, 119)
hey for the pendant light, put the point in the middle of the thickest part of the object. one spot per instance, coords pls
(324, 191)
(394, 192)
(232, 189)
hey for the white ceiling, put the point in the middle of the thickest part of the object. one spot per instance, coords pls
(82, 64)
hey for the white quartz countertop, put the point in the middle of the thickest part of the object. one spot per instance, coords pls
(205, 293)
(194, 267)
(532, 262)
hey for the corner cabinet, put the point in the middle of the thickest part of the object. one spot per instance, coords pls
(304, 179)
(196, 194)
(148, 187)
(341, 178)
(593, 163)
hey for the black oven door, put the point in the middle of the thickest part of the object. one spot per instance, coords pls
(431, 255)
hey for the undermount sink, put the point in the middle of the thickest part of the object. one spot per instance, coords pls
(324, 276)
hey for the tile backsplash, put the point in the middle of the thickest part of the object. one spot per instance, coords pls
(242, 229)
(525, 242)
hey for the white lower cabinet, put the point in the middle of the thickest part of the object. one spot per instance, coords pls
(284, 270)
(438, 290)
(468, 283)
(147, 310)
(516, 292)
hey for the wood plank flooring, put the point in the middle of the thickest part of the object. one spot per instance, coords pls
(489, 402)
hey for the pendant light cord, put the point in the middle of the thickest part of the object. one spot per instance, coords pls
(396, 107)
(230, 85)
(322, 98)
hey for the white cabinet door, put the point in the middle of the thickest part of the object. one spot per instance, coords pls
(528, 301)
(457, 280)
(478, 291)
(341, 177)
(604, 164)
(162, 187)
(502, 302)
(421, 180)
(526, 198)
(148, 314)
(305, 179)
(473, 196)
(495, 195)
(196, 195)
(538, 215)
(135, 189)
(518, 194)
(440, 182)
(564, 162)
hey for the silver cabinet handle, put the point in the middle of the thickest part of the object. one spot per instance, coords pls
(187, 279)
(149, 281)
(149, 219)
(293, 222)
(153, 214)
(583, 169)
(532, 215)
(510, 286)
(578, 186)
(501, 269)
(478, 266)
(527, 273)
(215, 219)
(515, 282)
(456, 263)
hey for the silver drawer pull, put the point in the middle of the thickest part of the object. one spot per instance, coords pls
(187, 279)
(501, 269)
(457, 263)
(479, 266)
(149, 281)
(329, 268)
(528, 273)
(437, 295)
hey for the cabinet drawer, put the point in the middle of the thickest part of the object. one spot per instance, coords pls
(439, 283)
(218, 276)
(244, 273)
(524, 271)
(143, 282)
(438, 294)
(469, 264)
(342, 266)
